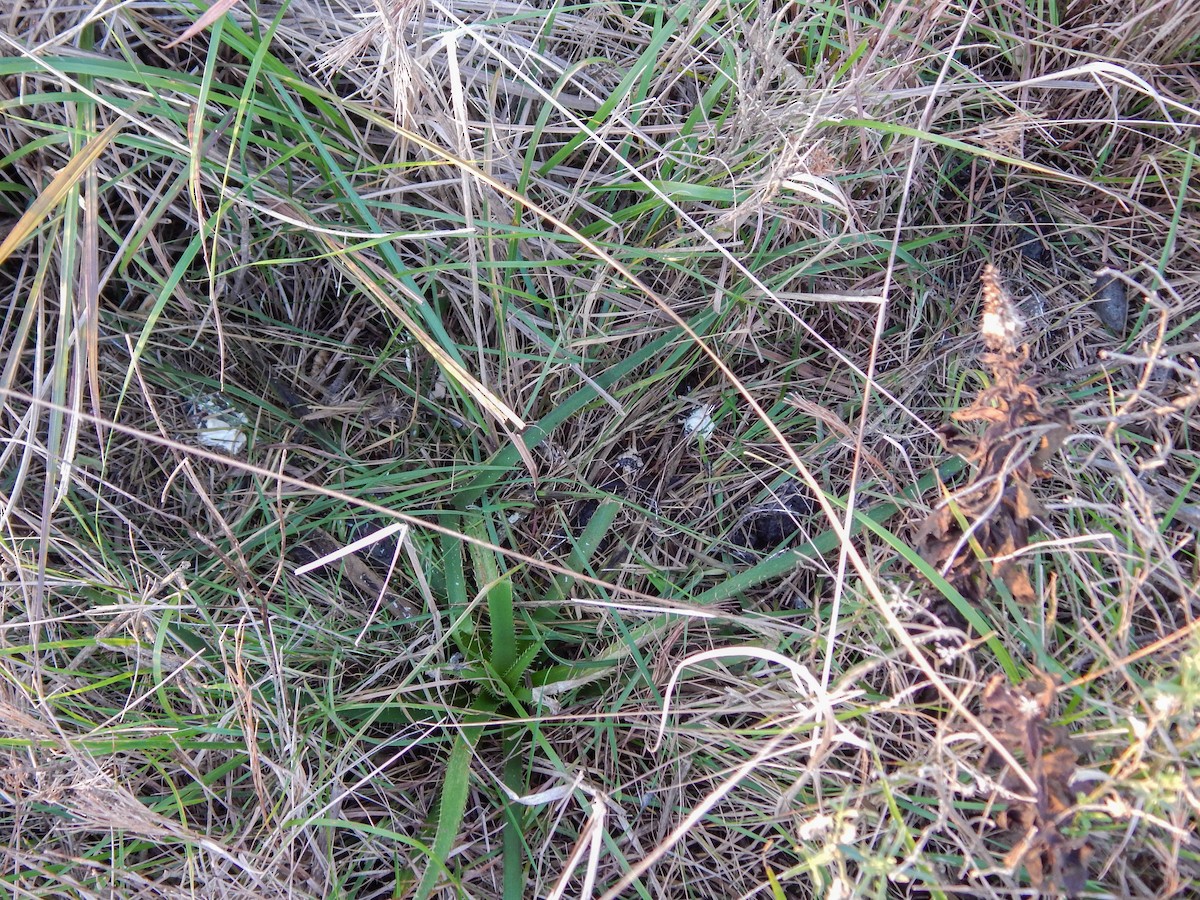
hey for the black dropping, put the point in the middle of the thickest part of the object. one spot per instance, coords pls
(1031, 237)
(1032, 247)
(765, 526)
(625, 479)
(1109, 301)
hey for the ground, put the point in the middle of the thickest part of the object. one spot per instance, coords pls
(621, 450)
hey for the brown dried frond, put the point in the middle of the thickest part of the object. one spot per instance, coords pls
(1019, 437)
(1017, 717)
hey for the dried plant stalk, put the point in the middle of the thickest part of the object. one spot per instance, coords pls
(1019, 437)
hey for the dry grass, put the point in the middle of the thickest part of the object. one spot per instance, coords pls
(474, 268)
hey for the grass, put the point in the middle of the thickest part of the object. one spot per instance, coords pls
(315, 270)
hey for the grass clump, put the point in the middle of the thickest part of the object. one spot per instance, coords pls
(644, 323)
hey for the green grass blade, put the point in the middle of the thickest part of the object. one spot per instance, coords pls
(456, 787)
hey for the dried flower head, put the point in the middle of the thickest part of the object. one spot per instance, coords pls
(1002, 325)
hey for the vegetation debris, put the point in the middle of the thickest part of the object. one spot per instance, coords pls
(1020, 435)
(1017, 717)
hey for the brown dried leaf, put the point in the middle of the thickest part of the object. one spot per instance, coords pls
(1026, 506)
(1052, 440)
(1016, 579)
(1055, 771)
(1033, 865)
(957, 442)
(1017, 718)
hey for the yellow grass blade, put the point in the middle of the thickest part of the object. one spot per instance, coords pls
(208, 17)
(54, 192)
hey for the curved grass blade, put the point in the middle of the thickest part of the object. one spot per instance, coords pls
(54, 193)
